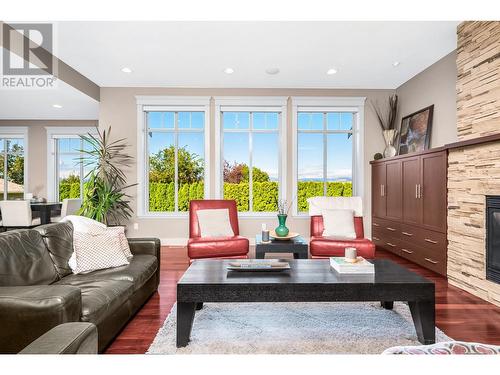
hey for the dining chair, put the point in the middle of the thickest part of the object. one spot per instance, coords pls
(70, 206)
(17, 214)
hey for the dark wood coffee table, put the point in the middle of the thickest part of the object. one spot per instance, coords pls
(297, 246)
(307, 281)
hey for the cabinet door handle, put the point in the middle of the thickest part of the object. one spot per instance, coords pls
(407, 251)
(407, 234)
(376, 238)
(391, 229)
(375, 225)
(431, 261)
(390, 244)
(416, 191)
(430, 241)
(419, 191)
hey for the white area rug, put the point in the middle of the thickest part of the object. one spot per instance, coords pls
(292, 328)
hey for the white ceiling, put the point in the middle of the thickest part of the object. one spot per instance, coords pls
(195, 54)
(37, 104)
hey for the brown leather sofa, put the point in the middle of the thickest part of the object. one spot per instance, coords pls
(38, 291)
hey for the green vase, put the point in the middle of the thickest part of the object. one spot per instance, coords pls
(281, 230)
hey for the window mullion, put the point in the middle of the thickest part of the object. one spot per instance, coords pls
(5, 182)
(56, 167)
(325, 156)
(81, 169)
(176, 156)
(250, 167)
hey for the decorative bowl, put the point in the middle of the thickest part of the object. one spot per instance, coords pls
(288, 237)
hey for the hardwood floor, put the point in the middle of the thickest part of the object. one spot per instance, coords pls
(459, 314)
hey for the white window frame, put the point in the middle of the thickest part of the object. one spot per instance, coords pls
(18, 132)
(58, 132)
(251, 104)
(355, 105)
(166, 103)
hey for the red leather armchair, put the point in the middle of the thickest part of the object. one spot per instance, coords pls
(215, 247)
(321, 247)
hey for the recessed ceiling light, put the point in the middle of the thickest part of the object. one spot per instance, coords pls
(272, 71)
(57, 106)
(126, 70)
(331, 71)
(229, 70)
(395, 63)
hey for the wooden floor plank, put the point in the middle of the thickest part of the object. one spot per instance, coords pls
(459, 314)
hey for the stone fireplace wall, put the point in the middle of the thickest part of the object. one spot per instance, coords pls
(474, 171)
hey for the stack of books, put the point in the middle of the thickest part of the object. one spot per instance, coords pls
(344, 267)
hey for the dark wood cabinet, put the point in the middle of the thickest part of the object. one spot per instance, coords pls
(433, 191)
(409, 207)
(410, 169)
(392, 190)
(378, 186)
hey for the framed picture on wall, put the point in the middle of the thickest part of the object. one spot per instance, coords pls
(415, 133)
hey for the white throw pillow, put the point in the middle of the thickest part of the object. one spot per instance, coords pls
(97, 251)
(214, 223)
(84, 224)
(339, 224)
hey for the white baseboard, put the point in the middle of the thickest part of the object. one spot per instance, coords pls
(173, 241)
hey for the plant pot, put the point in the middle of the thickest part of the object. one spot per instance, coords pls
(281, 230)
(390, 137)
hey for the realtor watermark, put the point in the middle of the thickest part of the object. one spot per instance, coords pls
(28, 60)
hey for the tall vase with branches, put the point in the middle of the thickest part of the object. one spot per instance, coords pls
(386, 116)
(104, 197)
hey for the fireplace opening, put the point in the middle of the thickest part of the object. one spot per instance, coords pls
(493, 238)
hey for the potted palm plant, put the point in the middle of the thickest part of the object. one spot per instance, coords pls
(104, 197)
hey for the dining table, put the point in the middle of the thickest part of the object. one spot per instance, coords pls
(45, 209)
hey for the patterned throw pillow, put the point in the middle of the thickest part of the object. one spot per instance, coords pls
(97, 251)
(447, 347)
(120, 232)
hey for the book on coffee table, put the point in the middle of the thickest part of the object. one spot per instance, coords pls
(344, 267)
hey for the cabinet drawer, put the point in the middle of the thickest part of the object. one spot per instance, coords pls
(431, 240)
(435, 261)
(387, 243)
(428, 258)
(409, 232)
(377, 234)
(411, 252)
(386, 227)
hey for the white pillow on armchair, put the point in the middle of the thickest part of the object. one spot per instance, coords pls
(214, 223)
(339, 224)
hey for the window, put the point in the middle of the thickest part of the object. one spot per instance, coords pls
(66, 173)
(13, 173)
(175, 157)
(327, 143)
(250, 153)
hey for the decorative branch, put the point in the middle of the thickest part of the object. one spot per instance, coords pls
(387, 120)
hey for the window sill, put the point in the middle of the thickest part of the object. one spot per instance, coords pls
(301, 216)
(173, 215)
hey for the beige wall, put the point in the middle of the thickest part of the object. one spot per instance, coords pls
(118, 109)
(37, 146)
(435, 85)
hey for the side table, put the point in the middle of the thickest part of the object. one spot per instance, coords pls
(297, 245)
